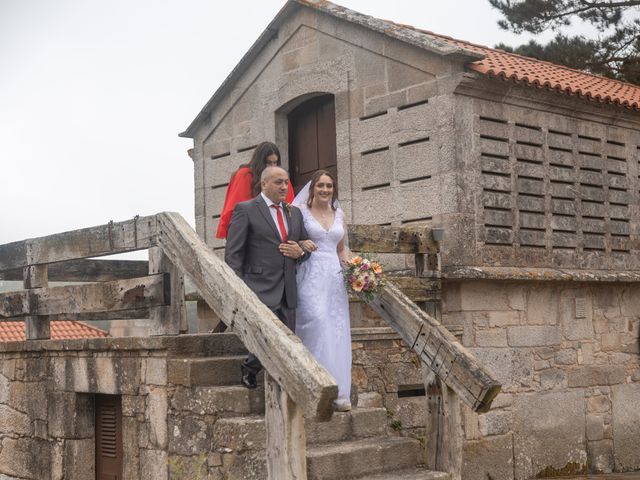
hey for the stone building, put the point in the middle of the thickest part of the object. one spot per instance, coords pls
(531, 168)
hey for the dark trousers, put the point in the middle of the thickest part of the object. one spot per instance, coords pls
(288, 316)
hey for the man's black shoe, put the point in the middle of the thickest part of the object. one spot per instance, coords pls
(248, 379)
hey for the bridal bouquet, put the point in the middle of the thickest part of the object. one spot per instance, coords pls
(363, 276)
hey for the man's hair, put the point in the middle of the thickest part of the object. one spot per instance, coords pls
(267, 172)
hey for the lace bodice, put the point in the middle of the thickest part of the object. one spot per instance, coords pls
(326, 240)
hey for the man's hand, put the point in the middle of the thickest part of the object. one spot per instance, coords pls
(291, 249)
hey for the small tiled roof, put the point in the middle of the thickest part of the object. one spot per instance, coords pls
(60, 330)
(540, 74)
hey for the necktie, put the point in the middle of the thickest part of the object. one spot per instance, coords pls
(283, 230)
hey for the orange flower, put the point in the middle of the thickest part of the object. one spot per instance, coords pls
(357, 260)
(357, 285)
(376, 267)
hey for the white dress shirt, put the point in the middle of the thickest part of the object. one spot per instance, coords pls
(274, 214)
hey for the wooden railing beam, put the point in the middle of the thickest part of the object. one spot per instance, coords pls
(93, 297)
(114, 237)
(437, 348)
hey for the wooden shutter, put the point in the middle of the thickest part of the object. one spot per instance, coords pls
(312, 139)
(108, 437)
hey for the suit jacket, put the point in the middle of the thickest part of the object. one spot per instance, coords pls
(252, 252)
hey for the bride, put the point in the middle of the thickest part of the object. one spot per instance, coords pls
(322, 317)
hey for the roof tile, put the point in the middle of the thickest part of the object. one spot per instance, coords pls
(14, 331)
(537, 73)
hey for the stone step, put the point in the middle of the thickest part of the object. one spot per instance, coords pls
(358, 423)
(204, 345)
(205, 371)
(223, 401)
(360, 458)
(410, 474)
(249, 433)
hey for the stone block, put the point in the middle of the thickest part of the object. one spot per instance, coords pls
(367, 422)
(490, 457)
(14, 422)
(4, 389)
(157, 406)
(70, 415)
(595, 427)
(495, 337)
(576, 328)
(239, 434)
(611, 342)
(511, 367)
(410, 411)
(155, 371)
(533, 336)
(566, 356)
(543, 306)
(25, 458)
(626, 426)
(154, 463)
(478, 295)
(592, 375)
(549, 432)
(30, 398)
(79, 459)
(218, 400)
(599, 404)
(504, 318)
(497, 422)
(601, 456)
(189, 435)
(369, 400)
(552, 378)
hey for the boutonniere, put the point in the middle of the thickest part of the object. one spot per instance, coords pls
(287, 207)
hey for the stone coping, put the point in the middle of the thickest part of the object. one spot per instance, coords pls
(191, 344)
(540, 274)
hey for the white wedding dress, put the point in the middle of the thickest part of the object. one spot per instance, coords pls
(322, 317)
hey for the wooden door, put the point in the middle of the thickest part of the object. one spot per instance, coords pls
(312, 140)
(108, 437)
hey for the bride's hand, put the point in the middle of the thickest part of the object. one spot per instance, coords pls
(308, 245)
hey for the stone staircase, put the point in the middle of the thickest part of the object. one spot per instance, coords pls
(353, 445)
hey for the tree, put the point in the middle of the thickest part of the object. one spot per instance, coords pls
(616, 53)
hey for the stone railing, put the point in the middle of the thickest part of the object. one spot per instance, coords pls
(295, 385)
(451, 372)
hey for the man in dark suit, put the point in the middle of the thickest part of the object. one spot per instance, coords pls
(262, 248)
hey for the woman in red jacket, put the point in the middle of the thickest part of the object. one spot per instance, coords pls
(245, 183)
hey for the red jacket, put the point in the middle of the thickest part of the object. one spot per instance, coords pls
(239, 190)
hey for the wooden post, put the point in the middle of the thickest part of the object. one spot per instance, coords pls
(170, 319)
(443, 433)
(286, 442)
(37, 327)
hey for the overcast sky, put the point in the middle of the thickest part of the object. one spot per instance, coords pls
(93, 94)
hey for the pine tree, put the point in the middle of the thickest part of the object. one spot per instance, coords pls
(616, 53)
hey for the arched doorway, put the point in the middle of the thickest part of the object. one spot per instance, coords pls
(312, 139)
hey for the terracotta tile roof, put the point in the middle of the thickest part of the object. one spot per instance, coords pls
(540, 74)
(60, 329)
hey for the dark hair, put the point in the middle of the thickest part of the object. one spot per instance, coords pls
(312, 186)
(258, 163)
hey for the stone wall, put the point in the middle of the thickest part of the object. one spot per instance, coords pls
(169, 423)
(567, 356)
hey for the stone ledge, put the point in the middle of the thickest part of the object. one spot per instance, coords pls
(201, 344)
(539, 274)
